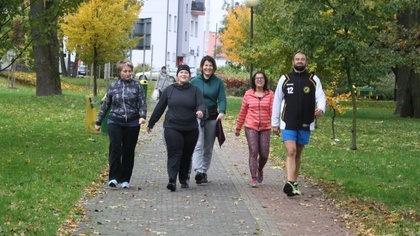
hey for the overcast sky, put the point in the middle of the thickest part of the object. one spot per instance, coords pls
(215, 15)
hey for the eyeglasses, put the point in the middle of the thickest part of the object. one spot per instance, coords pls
(259, 78)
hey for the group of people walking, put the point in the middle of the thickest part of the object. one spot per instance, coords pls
(193, 108)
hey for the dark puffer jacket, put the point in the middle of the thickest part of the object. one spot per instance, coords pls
(125, 100)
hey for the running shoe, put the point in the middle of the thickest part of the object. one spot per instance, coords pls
(199, 178)
(112, 183)
(291, 189)
(254, 182)
(260, 176)
(125, 185)
(205, 180)
(171, 186)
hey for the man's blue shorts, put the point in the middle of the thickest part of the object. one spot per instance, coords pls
(298, 135)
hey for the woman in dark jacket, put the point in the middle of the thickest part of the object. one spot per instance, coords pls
(185, 104)
(126, 102)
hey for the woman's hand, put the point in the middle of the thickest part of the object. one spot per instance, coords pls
(142, 121)
(221, 116)
(97, 127)
(199, 114)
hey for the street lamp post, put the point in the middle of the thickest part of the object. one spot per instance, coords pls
(251, 4)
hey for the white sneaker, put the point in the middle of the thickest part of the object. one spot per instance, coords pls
(112, 183)
(125, 185)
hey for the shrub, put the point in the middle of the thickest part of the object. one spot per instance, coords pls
(235, 86)
(384, 87)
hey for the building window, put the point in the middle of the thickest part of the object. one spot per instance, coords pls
(170, 22)
(175, 24)
(196, 29)
(186, 36)
(168, 56)
(192, 28)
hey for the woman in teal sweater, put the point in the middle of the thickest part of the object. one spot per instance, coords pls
(213, 89)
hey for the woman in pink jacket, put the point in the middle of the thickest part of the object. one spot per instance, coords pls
(256, 112)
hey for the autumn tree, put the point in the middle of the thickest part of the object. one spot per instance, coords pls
(14, 26)
(236, 29)
(9, 11)
(44, 17)
(99, 32)
(342, 39)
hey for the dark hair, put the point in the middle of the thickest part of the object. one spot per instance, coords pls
(163, 67)
(209, 59)
(253, 86)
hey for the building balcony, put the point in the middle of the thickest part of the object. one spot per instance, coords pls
(198, 8)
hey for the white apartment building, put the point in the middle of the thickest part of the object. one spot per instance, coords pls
(174, 33)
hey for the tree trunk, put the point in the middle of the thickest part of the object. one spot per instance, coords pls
(404, 102)
(70, 65)
(63, 60)
(353, 145)
(12, 75)
(94, 76)
(407, 80)
(332, 124)
(415, 93)
(75, 65)
(45, 49)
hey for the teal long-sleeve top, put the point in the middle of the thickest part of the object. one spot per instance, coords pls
(213, 90)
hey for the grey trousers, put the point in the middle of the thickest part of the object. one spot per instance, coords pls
(203, 151)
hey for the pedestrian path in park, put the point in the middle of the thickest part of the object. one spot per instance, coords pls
(227, 205)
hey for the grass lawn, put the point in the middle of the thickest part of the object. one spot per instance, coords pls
(49, 161)
(377, 184)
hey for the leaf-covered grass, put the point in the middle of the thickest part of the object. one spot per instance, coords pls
(47, 160)
(378, 184)
(86, 81)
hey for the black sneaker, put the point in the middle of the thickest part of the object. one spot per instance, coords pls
(171, 186)
(199, 178)
(288, 188)
(205, 180)
(291, 189)
(185, 185)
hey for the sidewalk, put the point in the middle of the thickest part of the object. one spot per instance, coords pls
(225, 206)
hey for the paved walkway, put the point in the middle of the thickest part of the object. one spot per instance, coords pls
(225, 206)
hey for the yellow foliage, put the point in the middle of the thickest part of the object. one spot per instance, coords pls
(29, 79)
(100, 29)
(333, 102)
(235, 35)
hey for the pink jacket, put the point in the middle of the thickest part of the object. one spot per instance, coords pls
(255, 111)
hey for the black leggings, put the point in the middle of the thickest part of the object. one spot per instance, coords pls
(180, 146)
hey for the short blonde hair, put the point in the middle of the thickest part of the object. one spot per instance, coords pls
(121, 63)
